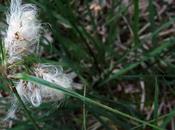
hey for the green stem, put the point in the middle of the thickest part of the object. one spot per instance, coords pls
(27, 112)
(81, 97)
(136, 22)
(84, 110)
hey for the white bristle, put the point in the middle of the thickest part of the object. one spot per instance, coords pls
(23, 30)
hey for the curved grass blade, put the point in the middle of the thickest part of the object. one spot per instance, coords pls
(136, 22)
(27, 112)
(155, 52)
(82, 98)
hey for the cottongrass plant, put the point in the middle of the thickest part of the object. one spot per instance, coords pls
(23, 30)
(36, 94)
(21, 40)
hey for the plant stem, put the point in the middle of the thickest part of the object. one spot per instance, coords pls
(81, 97)
(136, 22)
(84, 110)
(27, 112)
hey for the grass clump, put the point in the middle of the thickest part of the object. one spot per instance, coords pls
(121, 54)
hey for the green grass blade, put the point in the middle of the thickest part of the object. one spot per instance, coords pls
(156, 52)
(82, 98)
(27, 112)
(168, 119)
(151, 20)
(156, 97)
(136, 22)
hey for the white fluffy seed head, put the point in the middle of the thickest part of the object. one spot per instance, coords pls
(23, 30)
(36, 94)
(53, 74)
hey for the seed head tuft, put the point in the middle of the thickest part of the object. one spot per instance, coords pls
(22, 34)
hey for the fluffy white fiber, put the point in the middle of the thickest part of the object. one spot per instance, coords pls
(21, 40)
(36, 94)
(23, 30)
